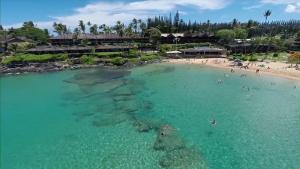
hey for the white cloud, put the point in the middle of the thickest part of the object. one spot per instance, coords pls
(253, 7)
(291, 8)
(110, 12)
(291, 5)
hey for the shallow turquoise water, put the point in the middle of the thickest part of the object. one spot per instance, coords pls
(115, 119)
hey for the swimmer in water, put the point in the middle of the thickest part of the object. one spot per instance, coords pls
(213, 122)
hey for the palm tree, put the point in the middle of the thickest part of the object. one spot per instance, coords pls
(94, 29)
(119, 28)
(59, 28)
(105, 29)
(234, 23)
(267, 14)
(82, 26)
(89, 23)
(143, 27)
(75, 34)
(134, 24)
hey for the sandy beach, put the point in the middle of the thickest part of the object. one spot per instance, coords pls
(271, 68)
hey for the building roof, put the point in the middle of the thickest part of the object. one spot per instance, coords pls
(173, 52)
(203, 49)
(10, 39)
(176, 35)
(73, 48)
(91, 36)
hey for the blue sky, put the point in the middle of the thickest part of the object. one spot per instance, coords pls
(45, 12)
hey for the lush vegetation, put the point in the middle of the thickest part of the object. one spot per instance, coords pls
(26, 58)
(171, 47)
(118, 61)
(149, 57)
(88, 60)
(29, 31)
(281, 56)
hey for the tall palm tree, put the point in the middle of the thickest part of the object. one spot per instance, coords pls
(143, 27)
(59, 28)
(119, 28)
(82, 26)
(76, 33)
(134, 24)
(94, 29)
(267, 14)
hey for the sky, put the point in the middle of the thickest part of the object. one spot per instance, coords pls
(44, 12)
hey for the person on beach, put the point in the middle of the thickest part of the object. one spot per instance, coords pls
(232, 71)
(257, 71)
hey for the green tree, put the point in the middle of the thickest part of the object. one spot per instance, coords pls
(240, 33)
(154, 34)
(226, 35)
(31, 32)
(28, 24)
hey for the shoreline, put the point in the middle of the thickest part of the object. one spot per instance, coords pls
(277, 69)
(61, 66)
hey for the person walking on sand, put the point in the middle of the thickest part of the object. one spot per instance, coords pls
(257, 71)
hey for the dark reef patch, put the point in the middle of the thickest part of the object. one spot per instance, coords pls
(161, 70)
(117, 100)
(183, 158)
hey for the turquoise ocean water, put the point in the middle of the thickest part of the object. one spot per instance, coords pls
(156, 116)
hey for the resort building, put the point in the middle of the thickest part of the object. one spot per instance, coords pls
(77, 49)
(6, 42)
(203, 52)
(250, 48)
(169, 38)
(296, 45)
(73, 39)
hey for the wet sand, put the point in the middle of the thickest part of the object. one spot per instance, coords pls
(271, 68)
